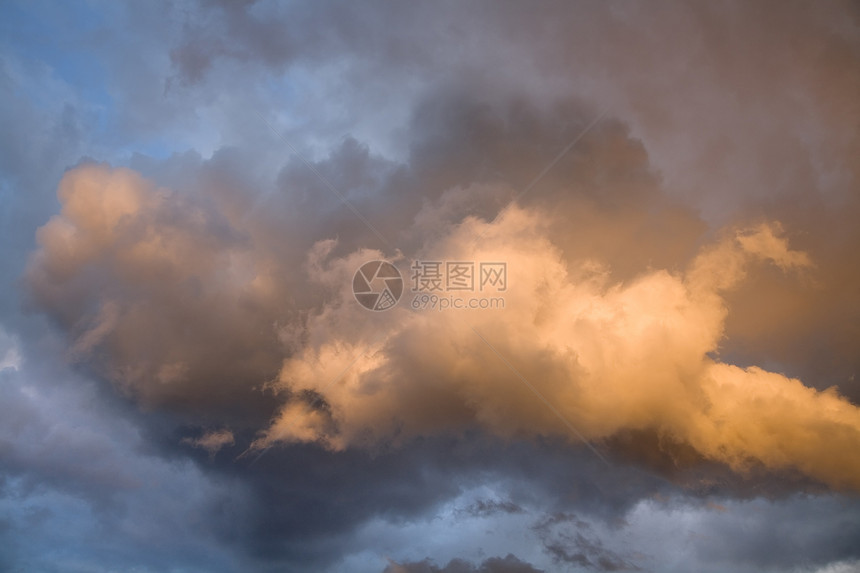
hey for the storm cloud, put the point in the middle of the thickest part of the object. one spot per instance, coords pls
(672, 189)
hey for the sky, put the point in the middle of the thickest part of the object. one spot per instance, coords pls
(460, 287)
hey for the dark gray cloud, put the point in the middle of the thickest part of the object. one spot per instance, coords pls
(507, 564)
(178, 312)
(487, 507)
(82, 488)
(566, 539)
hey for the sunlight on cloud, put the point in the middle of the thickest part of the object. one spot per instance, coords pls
(638, 355)
(611, 357)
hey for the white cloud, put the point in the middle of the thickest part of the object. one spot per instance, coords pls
(10, 355)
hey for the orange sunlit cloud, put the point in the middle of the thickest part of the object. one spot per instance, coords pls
(485, 287)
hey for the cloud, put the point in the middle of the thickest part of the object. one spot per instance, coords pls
(488, 507)
(176, 300)
(568, 540)
(840, 567)
(742, 535)
(657, 304)
(10, 355)
(166, 293)
(507, 564)
(212, 441)
(82, 487)
(610, 357)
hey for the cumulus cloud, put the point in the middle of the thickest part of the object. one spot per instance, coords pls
(173, 298)
(180, 306)
(610, 356)
(654, 300)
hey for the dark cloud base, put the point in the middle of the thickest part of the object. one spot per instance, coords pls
(719, 117)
